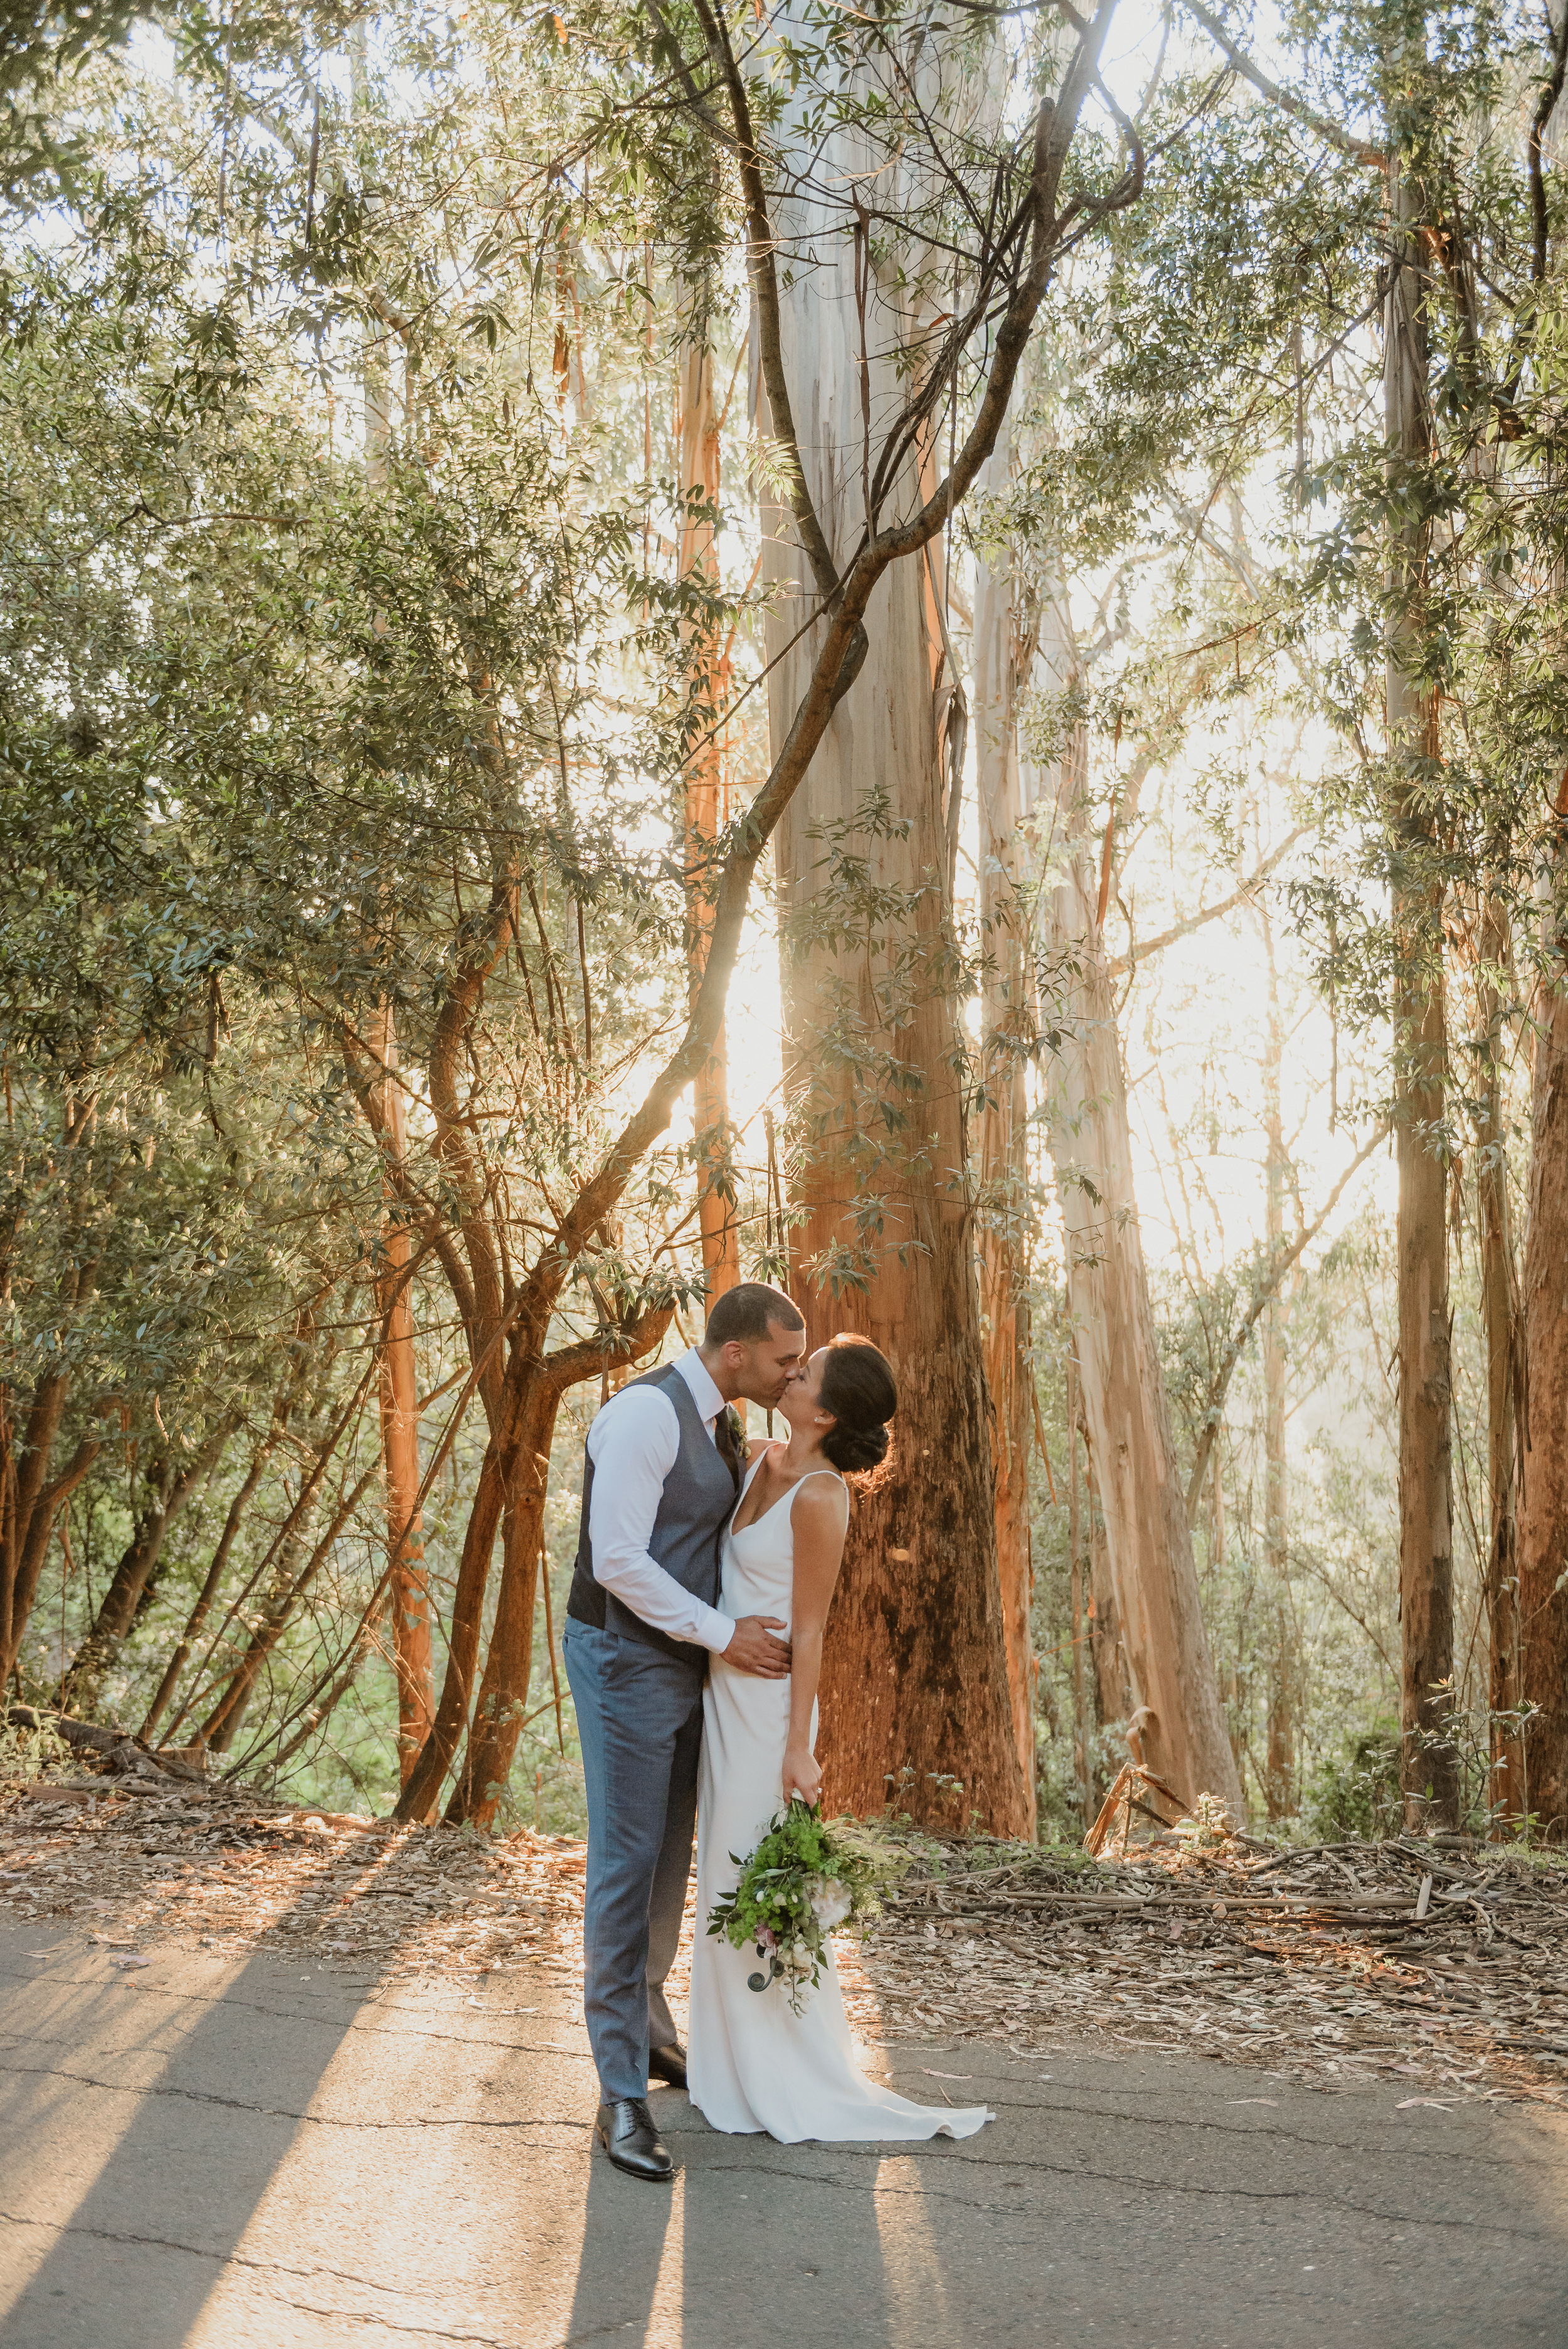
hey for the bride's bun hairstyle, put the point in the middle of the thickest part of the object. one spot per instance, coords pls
(859, 1389)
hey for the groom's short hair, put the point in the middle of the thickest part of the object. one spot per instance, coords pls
(744, 1314)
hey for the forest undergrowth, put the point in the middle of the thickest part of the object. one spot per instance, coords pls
(1433, 1965)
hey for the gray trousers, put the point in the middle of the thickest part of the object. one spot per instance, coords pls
(639, 1720)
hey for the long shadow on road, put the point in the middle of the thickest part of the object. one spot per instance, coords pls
(213, 2157)
(141, 2130)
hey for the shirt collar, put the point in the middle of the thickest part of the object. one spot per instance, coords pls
(703, 1394)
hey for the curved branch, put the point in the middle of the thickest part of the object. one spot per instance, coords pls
(1358, 150)
(832, 673)
(1242, 896)
(1267, 1289)
(760, 246)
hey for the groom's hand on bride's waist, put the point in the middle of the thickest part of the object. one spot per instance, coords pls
(754, 1648)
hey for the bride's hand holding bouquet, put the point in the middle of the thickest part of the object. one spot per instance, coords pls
(802, 1776)
(808, 1876)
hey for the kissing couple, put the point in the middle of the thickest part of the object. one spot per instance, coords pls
(694, 1648)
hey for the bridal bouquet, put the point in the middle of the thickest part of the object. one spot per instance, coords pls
(807, 1876)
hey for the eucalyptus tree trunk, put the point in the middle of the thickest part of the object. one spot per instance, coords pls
(1081, 1771)
(1279, 1765)
(1148, 1542)
(1008, 1029)
(1430, 1768)
(914, 1681)
(1544, 1498)
(698, 440)
(1500, 1318)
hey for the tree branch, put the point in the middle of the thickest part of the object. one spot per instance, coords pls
(1346, 141)
(1242, 896)
(843, 630)
(1267, 1289)
(761, 244)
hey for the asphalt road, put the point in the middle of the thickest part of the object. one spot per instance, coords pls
(248, 2155)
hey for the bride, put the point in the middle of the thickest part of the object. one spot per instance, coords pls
(752, 2064)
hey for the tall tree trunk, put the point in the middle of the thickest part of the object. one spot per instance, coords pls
(1544, 1500)
(915, 1674)
(1495, 1237)
(1279, 1765)
(409, 1591)
(1075, 1601)
(1148, 1541)
(1233, 1689)
(1430, 1764)
(1284, 1676)
(1008, 1031)
(698, 440)
(409, 1588)
(503, 1703)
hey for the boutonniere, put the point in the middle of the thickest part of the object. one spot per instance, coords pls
(737, 1428)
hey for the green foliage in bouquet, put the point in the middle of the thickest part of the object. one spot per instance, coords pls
(807, 1876)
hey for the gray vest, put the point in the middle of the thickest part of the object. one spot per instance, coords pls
(694, 1507)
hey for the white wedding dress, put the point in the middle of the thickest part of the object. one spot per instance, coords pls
(751, 2063)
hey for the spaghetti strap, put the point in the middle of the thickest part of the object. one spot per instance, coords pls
(787, 1495)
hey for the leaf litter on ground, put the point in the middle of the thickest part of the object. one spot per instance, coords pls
(1308, 1962)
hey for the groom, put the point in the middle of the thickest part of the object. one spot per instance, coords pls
(663, 1470)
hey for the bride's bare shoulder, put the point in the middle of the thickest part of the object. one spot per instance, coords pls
(758, 1446)
(822, 1494)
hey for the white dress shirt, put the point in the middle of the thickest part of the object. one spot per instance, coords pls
(633, 1444)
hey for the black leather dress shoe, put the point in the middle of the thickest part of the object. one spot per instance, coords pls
(669, 2064)
(626, 2131)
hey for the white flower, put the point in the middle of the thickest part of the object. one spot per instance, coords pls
(799, 1955)
(830, 1900)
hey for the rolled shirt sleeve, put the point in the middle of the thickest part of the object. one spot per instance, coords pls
(633, 1444)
